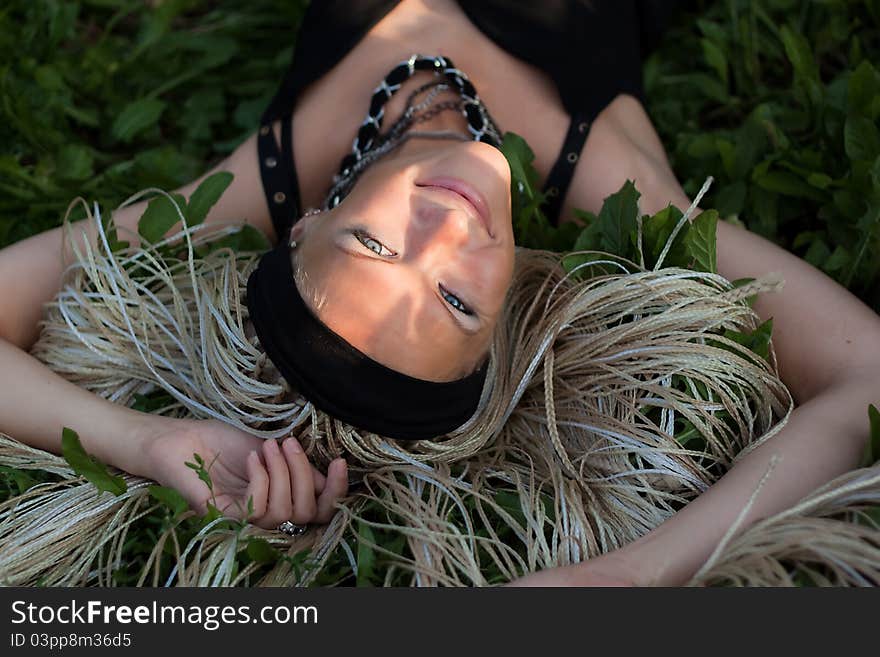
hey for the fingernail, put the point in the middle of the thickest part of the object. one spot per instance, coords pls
(295, 447)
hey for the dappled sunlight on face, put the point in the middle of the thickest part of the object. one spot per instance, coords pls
(413, 267)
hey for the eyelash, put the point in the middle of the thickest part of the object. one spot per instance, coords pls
(463, 309)
(364, 238)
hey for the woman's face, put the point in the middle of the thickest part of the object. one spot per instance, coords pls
(412, 268)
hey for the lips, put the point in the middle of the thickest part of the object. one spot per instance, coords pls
(467, 192)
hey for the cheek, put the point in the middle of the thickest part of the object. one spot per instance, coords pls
(497, 276)
(385, 213)
(382, 184)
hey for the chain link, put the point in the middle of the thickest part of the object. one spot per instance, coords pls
(379, 144)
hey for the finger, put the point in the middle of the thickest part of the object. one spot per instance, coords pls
(258, 484)
(280, 504)
(320, 480)
(302, 483)
(335, 490)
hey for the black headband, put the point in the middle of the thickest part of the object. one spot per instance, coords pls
(340, 380)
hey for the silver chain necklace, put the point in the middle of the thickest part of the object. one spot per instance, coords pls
(369, 145)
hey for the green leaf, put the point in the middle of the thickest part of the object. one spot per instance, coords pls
(205, 196)
(869, 517)
(788, 184)
(715, 58)
(212, 514)
(366, 555)
(797, 48)
(247, 238)
(700, 241)
(199, 468)
(803, 579)
(152, 402)
(819, 180)
(510, 501)
(49, 79)
(21, 479)
(727, 152)
(159, 217)
(687, 433)
(589, 239)
(531, 227)
(87, 465)
(872, 448)
(839, 259)
(260, 550)
(702, 146)
(519, 158)
(137, 117)
(731, 199)
(758, 341)
(751, 143)
(861, 138)
(564, 236)
(202, 110)
(862, 89)
(110, 231)
(655, 234)
(618, 218)
(818, 253)
(170, 498)
(74, 162)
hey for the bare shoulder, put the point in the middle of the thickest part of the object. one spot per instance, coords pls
(623, 145)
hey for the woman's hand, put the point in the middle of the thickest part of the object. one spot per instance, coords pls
(279, 479)
(610, 569)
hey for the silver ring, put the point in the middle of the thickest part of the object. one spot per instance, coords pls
(292, 529)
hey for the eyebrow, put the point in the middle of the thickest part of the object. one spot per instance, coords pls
(449, 311)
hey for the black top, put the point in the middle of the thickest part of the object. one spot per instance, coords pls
(591, 49)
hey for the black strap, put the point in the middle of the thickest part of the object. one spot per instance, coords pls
(562, 172)
(290, 169)
(279, 174)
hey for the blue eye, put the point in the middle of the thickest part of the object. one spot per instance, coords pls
(372, 244)
(455, 302)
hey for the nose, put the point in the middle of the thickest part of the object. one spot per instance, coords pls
(441, 231)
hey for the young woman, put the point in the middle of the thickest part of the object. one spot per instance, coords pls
(400, 280)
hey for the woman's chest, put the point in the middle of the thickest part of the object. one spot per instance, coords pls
(520, 97)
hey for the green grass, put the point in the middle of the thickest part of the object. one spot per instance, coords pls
(101, 98)
(779, 100)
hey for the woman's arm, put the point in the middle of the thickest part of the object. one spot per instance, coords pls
(31, 270)
(36, 404)
(828, 348)
(279, 481)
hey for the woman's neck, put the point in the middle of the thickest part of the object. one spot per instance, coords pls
(451, 122)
